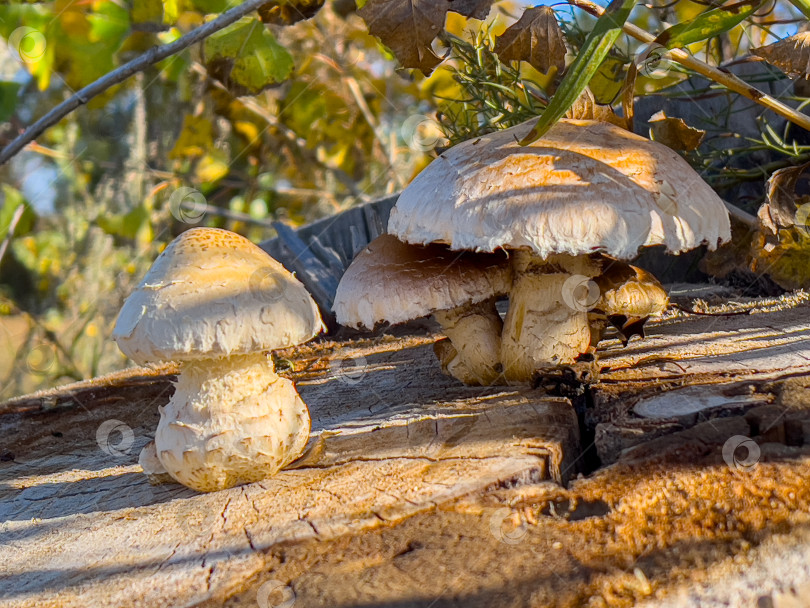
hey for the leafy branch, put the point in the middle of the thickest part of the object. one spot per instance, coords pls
(150, 57)
(726, 79)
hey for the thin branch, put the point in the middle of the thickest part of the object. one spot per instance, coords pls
(726, 79)
(118, 75)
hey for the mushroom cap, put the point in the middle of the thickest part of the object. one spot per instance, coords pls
(393, 281)
(585, 186)
(630, 291)
(213, 293)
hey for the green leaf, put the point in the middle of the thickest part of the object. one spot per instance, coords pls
(211, 6)
(803, 6)
(8, 99)
(708, 24)
(593, 51)
(246, 58)
(125, 225)
(109, 23)
(12, 199)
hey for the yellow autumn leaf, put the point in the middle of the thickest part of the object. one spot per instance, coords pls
(195, 139)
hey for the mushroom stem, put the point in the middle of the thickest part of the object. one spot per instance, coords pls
(547, 321)
(230, 421)
(475, 333)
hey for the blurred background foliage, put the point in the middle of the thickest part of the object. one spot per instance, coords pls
(262, 122)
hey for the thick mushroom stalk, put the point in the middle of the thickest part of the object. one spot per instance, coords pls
(474, 332)
(231, 421)
(547, 321)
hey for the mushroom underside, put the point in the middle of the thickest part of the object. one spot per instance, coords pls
(230, 421)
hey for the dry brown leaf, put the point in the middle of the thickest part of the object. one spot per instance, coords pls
(537, 38)
(791, 55)
(284, 12)
(408, 27)
(586, 108)
(783, 244)
(780, 209)
(674, 132)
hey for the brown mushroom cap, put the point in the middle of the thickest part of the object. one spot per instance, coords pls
(396, 282)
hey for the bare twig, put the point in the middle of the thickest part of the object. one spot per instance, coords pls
(726, 79)
(150, 57)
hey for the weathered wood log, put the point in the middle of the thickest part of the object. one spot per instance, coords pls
(405, 455)
(690, 369)
(391, 437)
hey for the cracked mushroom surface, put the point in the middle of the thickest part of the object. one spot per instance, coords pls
(216, 303)
(391, 281)
(583, 188)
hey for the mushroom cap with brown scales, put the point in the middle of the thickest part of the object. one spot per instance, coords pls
(583, 187)
(213, 293)
(391, 281)
(630, 291)
(628, 297)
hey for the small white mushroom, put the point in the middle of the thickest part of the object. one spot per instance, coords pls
(216, 303)
(395, 282)
(583, 188)
(628, 296)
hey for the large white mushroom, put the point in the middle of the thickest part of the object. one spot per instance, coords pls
(390, 281)
(216, 303)
(585, 187)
